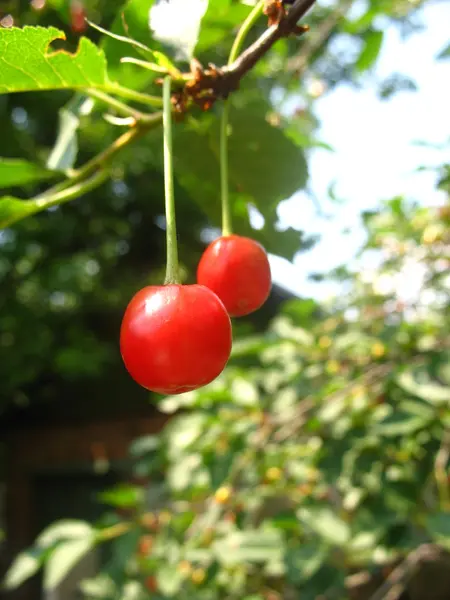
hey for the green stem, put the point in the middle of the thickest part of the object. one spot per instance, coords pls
(52, 199)
(120, 107)
(171, 227)
(253, 16)
(144, 64)
(139, 97)
(110, 533)
(227, 228)
(146, 123)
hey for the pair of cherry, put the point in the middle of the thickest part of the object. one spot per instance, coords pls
(176, 338)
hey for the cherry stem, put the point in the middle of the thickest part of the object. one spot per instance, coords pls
(227, 228)
(172, 274)
(239, 40)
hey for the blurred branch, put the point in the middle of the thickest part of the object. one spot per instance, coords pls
(297, 420)
(396, 583)
(298, 63)
(248, 59)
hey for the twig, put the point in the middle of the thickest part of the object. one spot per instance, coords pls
(247, 60)
(218, 82)
(309, 402)
(122, 108)
(395, 584)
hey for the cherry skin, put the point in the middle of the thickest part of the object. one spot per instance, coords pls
(175, 338)
(237, 269)
(78, 16)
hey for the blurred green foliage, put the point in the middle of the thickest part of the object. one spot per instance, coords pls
(321, 451)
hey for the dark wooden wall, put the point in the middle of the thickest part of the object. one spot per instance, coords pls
(45, 452)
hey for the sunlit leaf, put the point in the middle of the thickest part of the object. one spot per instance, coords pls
(373, 41)
(255, 546)
(13, 210)
(326, 523)
(28, 63)
(428, 391)
(63, 559)
(64, 153)
(444, 53)
(24, 566)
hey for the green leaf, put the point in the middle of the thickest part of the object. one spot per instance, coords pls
(136, 17)
(373, 41)
(444, 53)
(17, 172)
(27, 63)
(264, 163)
(438, 526)
(134, 590)
(304, 561)
(13, 210)
(123, 496)
(418, 408)
(69, 529)
(186, 472)
(24, 566)
(401, 423)
(253, 546)
(64, 153)
(245, 392)
(63, 559)
(430, 392)
(364, 21)
(184, 431)
(99, 587)
(169, 580)
(144, 445)
(326, 523)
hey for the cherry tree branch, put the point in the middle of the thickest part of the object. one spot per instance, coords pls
(397, 581)
(216, 82)
(248, 59)
(298, 63)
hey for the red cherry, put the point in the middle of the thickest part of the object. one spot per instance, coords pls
(151, 583)
(237, 269)
(175, 338)
(77, 16)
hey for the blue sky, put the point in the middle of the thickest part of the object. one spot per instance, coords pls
(375, 156)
